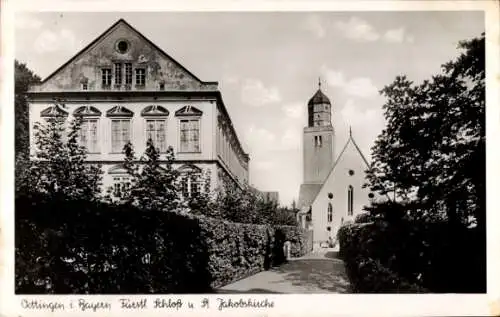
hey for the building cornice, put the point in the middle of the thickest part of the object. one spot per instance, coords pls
(121, 96)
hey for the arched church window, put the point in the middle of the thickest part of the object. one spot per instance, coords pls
(350, 200)
(330, 212)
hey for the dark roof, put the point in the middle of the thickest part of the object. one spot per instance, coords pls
(307, 194)
(319, 98)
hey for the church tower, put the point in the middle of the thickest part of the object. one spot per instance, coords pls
(318, 149)
(318, 139)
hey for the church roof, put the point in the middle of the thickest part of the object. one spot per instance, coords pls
(307, 194)
(319, 98)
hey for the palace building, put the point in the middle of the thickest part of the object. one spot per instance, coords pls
(124, 87)
(332, 190)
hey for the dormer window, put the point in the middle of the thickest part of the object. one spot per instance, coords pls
(106, 77)
(128, 74)
(140, 76)
(118, 74)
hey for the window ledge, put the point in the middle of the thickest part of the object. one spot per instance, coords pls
(188, 152)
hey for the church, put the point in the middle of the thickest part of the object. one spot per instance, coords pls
(333, 174)
(126, 88)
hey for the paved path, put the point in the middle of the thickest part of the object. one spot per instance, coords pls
(317, 272)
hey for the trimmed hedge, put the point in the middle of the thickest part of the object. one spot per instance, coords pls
(78, 247)
(414, 257)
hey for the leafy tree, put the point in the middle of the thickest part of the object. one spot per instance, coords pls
(24, 77)
(58, 167)
(201, 202)
(153, 185)
(432, 151)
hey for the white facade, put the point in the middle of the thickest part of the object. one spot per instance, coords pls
(126, 88)
(344, 185)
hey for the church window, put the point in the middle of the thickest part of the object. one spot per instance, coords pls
(318, 140)
(330, 212)
(106, 77)
(350, 200)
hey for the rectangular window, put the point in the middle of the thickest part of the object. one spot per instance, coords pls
(184, 187)
(140, 76)
(318, 140)
(118, 74)
(195, 187)
(128, 74)
(120, 185)
(88, 135)
(120, 134)
(156, 131)
(106, 77)
(190, 135)
(85, 86)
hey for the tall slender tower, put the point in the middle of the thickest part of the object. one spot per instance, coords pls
(318, 146)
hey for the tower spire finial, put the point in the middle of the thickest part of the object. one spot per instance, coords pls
(319, 82)
(350, 131)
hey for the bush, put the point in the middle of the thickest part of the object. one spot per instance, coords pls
(363, 218)
(79, 247)
(67, 246)
(413, 257)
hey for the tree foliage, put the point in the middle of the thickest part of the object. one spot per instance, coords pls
(23, 77)
(58, 166)
(432, 151)
(153, 182)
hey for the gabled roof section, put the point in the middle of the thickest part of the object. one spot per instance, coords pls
(155, 110)
(189, 168)
(87, 111)
(189, 111)
(107, 32)
(53, 111)
(119, 111)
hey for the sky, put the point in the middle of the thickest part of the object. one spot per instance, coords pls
(268, 65)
